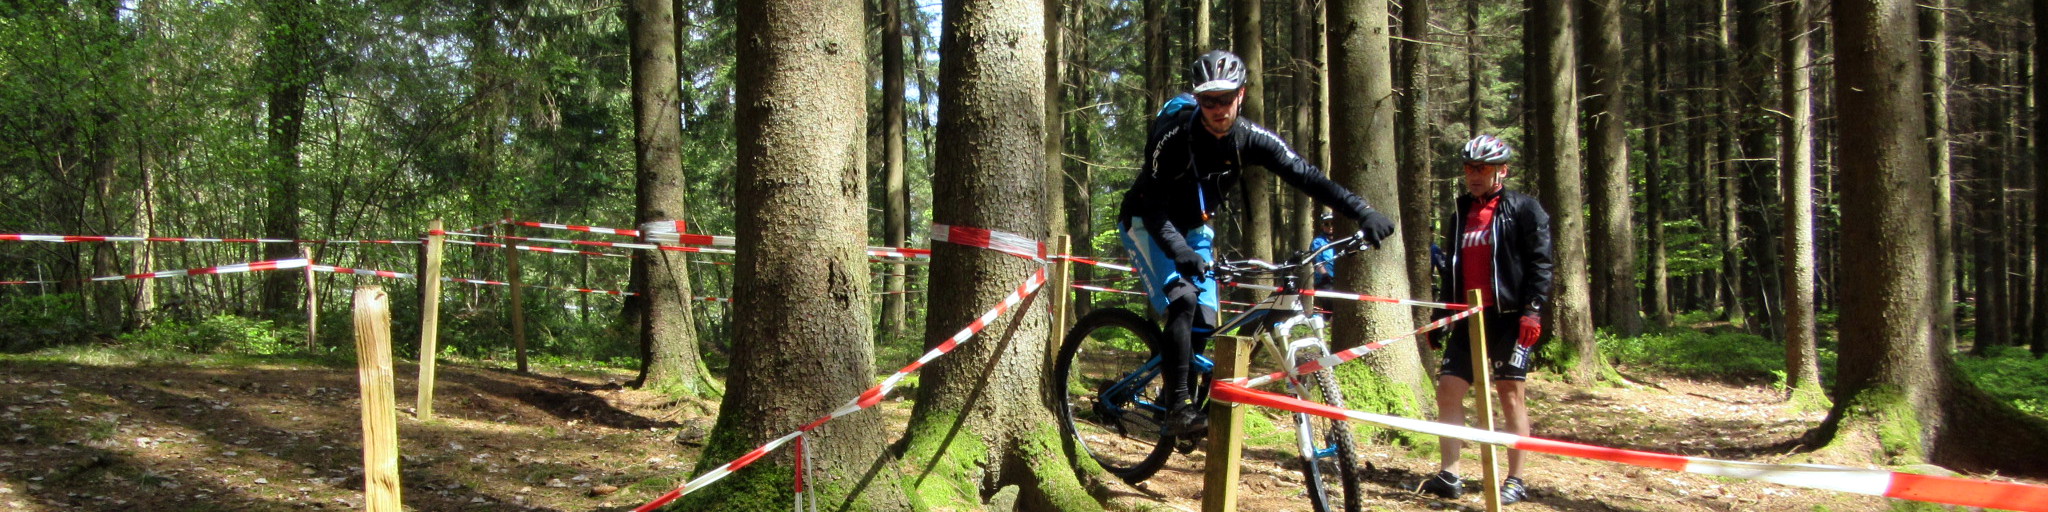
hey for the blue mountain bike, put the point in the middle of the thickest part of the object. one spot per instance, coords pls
(1110, 398)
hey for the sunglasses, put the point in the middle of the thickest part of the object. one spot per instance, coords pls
(1216, 101)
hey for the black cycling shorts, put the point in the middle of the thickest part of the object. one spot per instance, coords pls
(1501, 333)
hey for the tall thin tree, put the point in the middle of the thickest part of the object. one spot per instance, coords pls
(1802, 359)
(981, 421)
(1257, 233)
(896, 193)
(1613, 242)
(1553, 95)
(287, 65)
(1418, 195)
(1362, 147)
(802, 269)
(668, 336)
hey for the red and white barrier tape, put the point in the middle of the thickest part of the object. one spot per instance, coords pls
(1358, 297)
(80, 238)
(1099, 263)
(1011, 243)
(1342, 356)
(1106, 290)
(257, 266)
(866, 399)
(573, 227)
(361, 272)
(550, 250)
(487, 282)
(899, 252)
(1929, 488)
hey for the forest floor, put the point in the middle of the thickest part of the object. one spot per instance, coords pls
(97, 434)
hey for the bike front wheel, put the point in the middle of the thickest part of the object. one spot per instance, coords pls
(1329, 460)
(1110, 395)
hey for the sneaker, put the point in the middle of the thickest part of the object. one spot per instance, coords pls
(1444, 485)
(1512, 491)
(1185, 419)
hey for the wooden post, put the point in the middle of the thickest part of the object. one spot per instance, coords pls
(1226, 429)
(1058, 287)
(430, 318)
(583, 299)
(312, 302)
(380, 417)
(518, 306)
(1482, 375)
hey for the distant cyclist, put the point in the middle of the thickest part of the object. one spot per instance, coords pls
(1192, 159)
(1500, 246)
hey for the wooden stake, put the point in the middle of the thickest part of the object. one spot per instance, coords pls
(1226, 429)
(1482, 375)
(1058, 289)
(430, 319)
(380, 417)
(518, 306)
(312, 302)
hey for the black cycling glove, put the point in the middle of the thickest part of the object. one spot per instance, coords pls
(1191, 265)
(1374, 227)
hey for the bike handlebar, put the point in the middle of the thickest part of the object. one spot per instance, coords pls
(1254, 267)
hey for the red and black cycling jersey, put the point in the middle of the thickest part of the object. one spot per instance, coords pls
(1188, 171)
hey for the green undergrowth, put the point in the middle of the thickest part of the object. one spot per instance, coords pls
(1716, 355)
(1369, 391)
(2011, 375)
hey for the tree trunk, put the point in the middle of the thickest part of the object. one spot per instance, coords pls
(1391, 380)
(1655, 201)
(1559, 171)
(1257, 233)
(1418, 194)
(1802, 360)
(1055, 124)
(1934, 21)
(1613, 240)
(1475, 122)
(1306, 40)
(1081, 171)
(981, 422)
(667, 330)
(1754, 166)
(1894, 391)
(896, 195)
(289, 72)
(1202, 37)
(2040, 90)
(1157, 76)
(802, 271)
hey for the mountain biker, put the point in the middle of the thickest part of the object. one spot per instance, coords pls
(1193, 158)
(1499, 244)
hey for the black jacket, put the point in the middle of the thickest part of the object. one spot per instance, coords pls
(1184, 163)
(1521, 256)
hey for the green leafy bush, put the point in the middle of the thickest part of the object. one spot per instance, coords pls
(1728, 356)
(219, 334)
(2012, 375)
(32, 322)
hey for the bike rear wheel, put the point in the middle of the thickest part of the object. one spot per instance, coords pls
(1110, 393)
(1329, 460)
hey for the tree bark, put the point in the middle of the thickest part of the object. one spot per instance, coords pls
(802, 271)
(1391, 380)
(667, 331)
(1894, 391)
(1157, 74)
(1655, 201)
(1934, 20)
(981, 422)
(896, 194)
(1755, 165)
(1257, 233)
(1202, 37)
(289, 72)
(1055, 124)
(2040, 91)
(1802, 360)
(1418, 194)
(1613, 240)
(1081, 171)
(1559, 171)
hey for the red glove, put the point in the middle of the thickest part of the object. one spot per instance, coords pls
(1532, 330)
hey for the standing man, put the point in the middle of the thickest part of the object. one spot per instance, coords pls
(1500, 245)
(1193, 158)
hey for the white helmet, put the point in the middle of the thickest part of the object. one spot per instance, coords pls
(1487, 149)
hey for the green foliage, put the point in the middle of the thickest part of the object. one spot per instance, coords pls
(220, 334)
(1709, 355)
(2012, 375)
(33, 322)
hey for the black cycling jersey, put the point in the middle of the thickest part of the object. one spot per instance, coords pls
(1187, 171)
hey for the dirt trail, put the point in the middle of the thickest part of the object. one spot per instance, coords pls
(81, 437)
